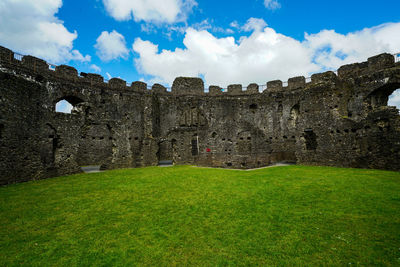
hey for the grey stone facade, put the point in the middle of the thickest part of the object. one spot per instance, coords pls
(334, 120)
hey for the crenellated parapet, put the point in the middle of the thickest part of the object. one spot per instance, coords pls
(192, 86)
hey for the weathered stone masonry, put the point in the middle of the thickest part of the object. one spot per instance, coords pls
(334, 120)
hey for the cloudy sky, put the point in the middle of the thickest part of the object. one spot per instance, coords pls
(224, 42)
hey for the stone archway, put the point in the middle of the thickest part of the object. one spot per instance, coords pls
(379, 97)
(68, 104)
(394, 99)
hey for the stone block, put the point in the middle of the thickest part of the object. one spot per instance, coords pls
(139, 86)
(35, 63)
(235, 89)
(381, 61)
(95, 78)
(352, 70)
(252, 88)
(187, 85)
(158, 88)
(117, 83)
(296, 82)
(328, 76)
(273, 86)
(215, 90)
(66, 72)
(6, 55)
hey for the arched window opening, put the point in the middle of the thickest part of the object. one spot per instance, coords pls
(68, 104)
(394, 99)
(63, 106)
(387, 95)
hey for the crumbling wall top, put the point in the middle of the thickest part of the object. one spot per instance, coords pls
(296, 82)
(215, 90)
(6, 54)
(353, 70)
(252, 88)
(235, 89)
(328, 76)
(194, 86)
(93, 77)
(66, 72)
(35, 63)
(117, 83)
(158, 88)
(139, 86)
(274, 86)
(381, 61)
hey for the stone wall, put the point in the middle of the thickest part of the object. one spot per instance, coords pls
(335, 120)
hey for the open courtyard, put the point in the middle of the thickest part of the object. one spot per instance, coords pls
(184, 215)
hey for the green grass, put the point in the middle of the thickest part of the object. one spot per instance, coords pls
(293, 215)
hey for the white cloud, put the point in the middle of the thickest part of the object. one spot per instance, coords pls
(108, 76)
(31, 27)
(263, 56)
(203, 25)
(234, 24)
(272, 4)
(148, 28)
(180, 29)
(257, 58)
(111, 46)
(165, 11)
(331, 49)
(254, 24)
(76, 55)
(207, 25)
(95, 68)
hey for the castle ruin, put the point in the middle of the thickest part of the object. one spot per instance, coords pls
(334, 120)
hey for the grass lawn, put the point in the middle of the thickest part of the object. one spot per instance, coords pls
(294, 215)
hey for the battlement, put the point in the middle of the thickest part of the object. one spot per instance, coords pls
(192, 86)
(184, 85)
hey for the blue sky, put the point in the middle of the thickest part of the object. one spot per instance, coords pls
(294, 18)
(224, 42)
